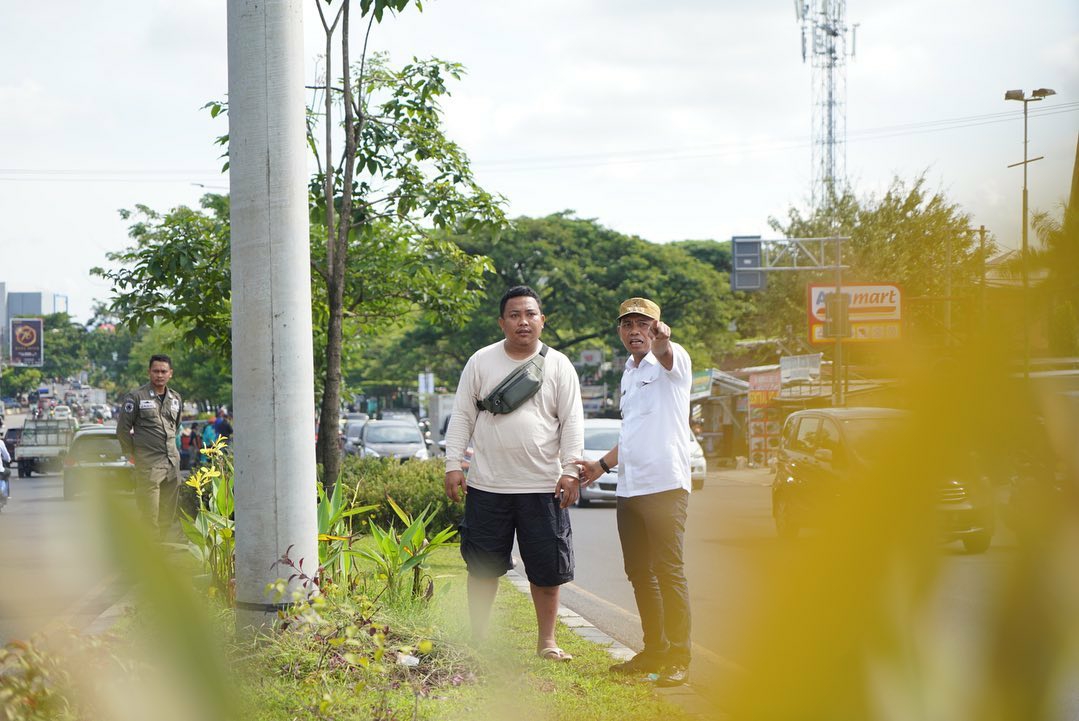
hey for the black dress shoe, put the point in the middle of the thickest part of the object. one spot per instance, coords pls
(673, 675)
(640, 664)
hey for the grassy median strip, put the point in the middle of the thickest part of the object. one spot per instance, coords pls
(303, 673)
(352, 656)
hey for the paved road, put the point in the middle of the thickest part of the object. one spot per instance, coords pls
(730, 547)
(729, 527)
(52, 565)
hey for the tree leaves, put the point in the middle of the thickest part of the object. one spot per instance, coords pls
(905, 236)
(582, 271)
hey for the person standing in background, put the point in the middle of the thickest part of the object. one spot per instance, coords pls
(147, 429)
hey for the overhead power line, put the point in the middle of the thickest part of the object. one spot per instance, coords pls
(215, 180)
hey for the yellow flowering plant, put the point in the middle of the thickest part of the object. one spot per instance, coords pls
(211, 533)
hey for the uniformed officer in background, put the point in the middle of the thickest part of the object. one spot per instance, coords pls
(147, 428)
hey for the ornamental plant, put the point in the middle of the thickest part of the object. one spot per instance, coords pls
(399, 555)
(212, 532)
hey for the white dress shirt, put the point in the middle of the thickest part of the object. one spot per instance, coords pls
(653, 446)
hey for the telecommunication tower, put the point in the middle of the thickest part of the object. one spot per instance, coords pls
(825, 45)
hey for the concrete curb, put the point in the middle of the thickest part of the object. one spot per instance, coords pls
(578, 623)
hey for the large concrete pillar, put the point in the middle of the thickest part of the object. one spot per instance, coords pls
(272, 371)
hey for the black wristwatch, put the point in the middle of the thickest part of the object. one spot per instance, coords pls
(604, 466)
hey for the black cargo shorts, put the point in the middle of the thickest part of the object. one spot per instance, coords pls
(543, 532)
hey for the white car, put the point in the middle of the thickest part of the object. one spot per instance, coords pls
(601, 435)
(391, 439)
(61, 412)
(698, 467)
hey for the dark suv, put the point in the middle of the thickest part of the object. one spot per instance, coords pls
(823, 451)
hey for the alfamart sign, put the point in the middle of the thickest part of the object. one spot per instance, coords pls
(875, 312)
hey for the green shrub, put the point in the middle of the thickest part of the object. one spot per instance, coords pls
(413, 485)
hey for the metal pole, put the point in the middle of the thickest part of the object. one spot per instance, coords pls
(981, 254)
(1023, 255)
(948, 292)
(838, 399)
(273, 375)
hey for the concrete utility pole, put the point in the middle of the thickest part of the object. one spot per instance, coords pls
(273, 375)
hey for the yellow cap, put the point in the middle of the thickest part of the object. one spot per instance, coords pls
(639, 305)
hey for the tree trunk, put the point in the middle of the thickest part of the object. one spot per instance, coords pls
(329, 425)
(329, 418)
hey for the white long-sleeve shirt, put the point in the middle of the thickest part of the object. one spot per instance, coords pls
(524, 451)
(653, 446)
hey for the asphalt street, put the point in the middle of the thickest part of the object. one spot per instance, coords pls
(729, 526)
(731, 545)
(53, 565)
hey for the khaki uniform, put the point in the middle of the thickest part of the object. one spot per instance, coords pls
(147, 430)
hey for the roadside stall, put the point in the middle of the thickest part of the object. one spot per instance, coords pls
(718, 412)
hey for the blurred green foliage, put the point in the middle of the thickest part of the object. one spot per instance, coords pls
(413, 485)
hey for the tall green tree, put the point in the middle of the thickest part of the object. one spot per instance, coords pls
(108, 348)
(20, 379)
(375, 211)
(398, 177)
(1058, 257)
(202, 373)
(910, 235)
(713, 252)
(581, 271)
(177, 272)
(64, 347)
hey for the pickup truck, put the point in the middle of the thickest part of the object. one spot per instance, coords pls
(44, 444)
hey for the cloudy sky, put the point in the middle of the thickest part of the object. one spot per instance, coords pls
(669, 120)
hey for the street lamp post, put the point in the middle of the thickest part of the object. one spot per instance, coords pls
(1035, 96)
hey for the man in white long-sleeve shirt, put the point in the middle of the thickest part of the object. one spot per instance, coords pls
(522, 478)
(652, 456)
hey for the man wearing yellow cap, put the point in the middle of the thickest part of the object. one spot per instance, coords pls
(652, 456)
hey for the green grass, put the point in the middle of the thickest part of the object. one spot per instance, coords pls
(176, 658)
(299, 674)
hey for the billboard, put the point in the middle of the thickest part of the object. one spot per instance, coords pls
(27, 342)
(702, 385)
(874, 312)
(764, 425)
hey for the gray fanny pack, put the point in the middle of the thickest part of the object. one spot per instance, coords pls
(517, 387)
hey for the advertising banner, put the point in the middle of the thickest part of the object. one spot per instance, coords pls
(27, 342)
(874, 312)
(764, 426)
(702, 385)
